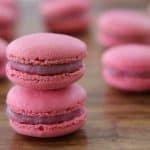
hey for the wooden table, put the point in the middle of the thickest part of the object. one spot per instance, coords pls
(117, 120)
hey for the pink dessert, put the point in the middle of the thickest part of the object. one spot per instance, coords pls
(9, 3)
(46, 113)
(52, 61)
(123, 26)
(8, 19)
(3, 45)
(127, 67)
(66, 16)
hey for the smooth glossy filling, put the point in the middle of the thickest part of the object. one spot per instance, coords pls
(121, 73)
(52, 69)
(35, 120)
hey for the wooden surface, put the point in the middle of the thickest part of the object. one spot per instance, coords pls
(117, 120)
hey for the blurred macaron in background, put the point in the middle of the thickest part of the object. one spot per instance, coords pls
(8, 18)
(66, 16)
(123, 26)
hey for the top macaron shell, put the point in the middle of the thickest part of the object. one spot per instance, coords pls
(46, 48)
(127, 67)
(43, 49)
(9, 3)
(66, 16)
(7, 15)
(53, 102)
(125, 22)
(8, 19)
(128, 57)
(50, 8)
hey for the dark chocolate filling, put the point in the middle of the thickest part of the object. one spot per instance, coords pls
(52, 69)
(35, 120)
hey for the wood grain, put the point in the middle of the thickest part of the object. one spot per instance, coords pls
(117, 120)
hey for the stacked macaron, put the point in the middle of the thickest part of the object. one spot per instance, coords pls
(46, 102)
(66, 16)
(8, 17)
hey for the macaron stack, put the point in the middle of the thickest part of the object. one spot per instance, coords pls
(8, 18)
(66, 16)
(46, 102)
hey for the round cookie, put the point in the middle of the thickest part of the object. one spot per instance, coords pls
(10, 4)
(127, 67)
(8, 19)
(121, 26)
(66, 16)
(46, 113)
(45, 61)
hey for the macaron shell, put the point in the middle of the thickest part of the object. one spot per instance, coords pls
(44, 131)
(50, 9)
(7, 15)
(8, 3)
(74, 24)
(126, 83)
(45, 50)
(43, 82)
(12, 5)
(48, 102)
(120, 57)
(125, 22)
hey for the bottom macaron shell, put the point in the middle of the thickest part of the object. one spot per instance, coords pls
(71, 25)
(43, 82)
(126, 83)
(45, 131)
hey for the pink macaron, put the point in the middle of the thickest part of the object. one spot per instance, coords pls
(9, 3)
(3, 45)
(46, 113)
(8, 19)
(46, 60)
(66, 16)
(127, 67)
(123, 26)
